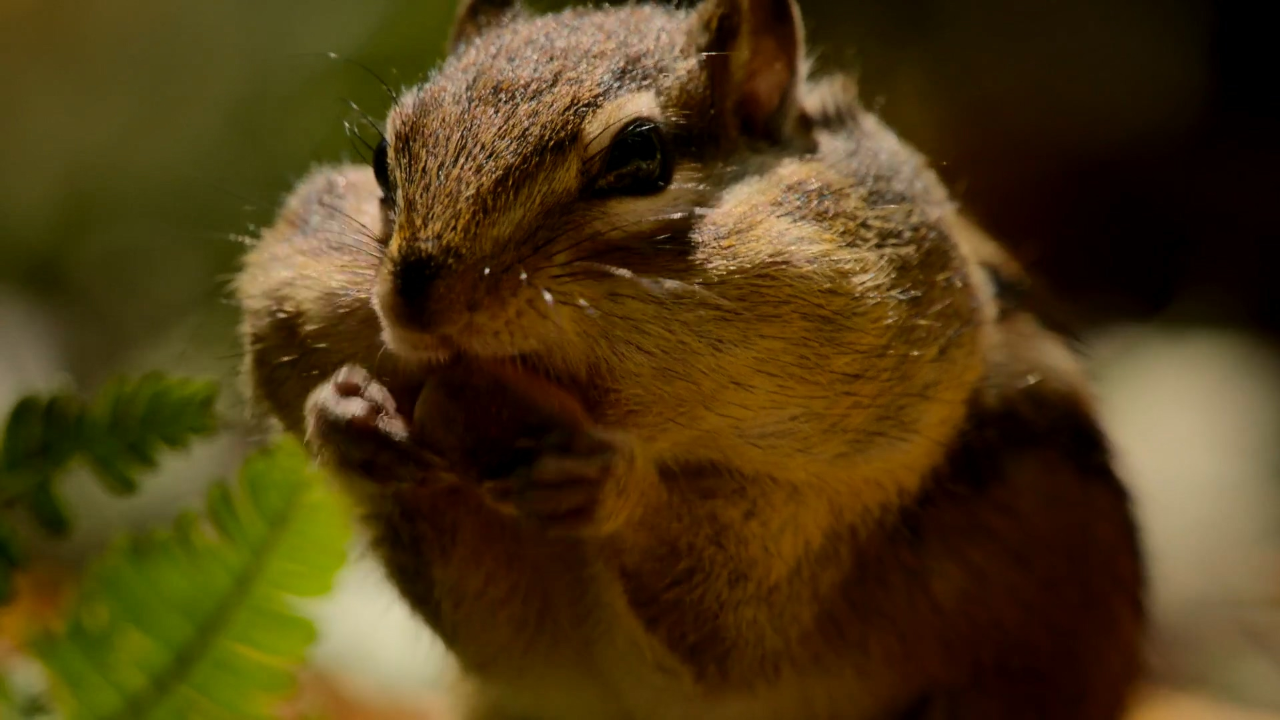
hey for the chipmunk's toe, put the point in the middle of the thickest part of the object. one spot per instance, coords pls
(350, 402)
(352, 425)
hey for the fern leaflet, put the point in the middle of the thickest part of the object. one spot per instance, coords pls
(119, 434)
(191, 624)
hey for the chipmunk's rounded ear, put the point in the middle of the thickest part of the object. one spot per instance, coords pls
(754, 50)
(474, 16)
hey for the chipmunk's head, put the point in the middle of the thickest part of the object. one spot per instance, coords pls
(553, 158)
(575, 191)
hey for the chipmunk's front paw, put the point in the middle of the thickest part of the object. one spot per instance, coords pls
(562, 481)
(352, 424)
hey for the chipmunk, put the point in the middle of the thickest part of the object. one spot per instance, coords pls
(672, 384)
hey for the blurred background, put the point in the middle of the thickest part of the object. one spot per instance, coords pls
(1124, 149)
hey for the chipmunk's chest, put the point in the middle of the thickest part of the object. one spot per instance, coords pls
(520, 610)
(541, 624)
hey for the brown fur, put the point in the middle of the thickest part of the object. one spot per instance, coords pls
(850, 475)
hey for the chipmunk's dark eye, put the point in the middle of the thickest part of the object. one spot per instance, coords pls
(639, 162)
(382, 169)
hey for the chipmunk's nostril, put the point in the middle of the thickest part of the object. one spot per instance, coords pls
(413, 277)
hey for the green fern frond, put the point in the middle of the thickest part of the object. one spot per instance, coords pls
(192, 624)
(119, 434)
(130, 421)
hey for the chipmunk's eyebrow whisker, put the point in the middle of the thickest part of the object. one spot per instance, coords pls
(351, 130)
(331, 55)
(365, 116)
(360, 153)
(342, 58)
(355, 135)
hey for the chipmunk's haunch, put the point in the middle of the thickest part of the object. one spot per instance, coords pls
(673, 386)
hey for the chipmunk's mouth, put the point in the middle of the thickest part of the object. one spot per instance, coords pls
(531, 375)
(488, 416)
(541, 381)
(535, 374)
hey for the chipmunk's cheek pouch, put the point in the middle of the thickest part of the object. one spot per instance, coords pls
(527, 442)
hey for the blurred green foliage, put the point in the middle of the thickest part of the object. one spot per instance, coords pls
(194, 621)
(185, 624)
(118, 434)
